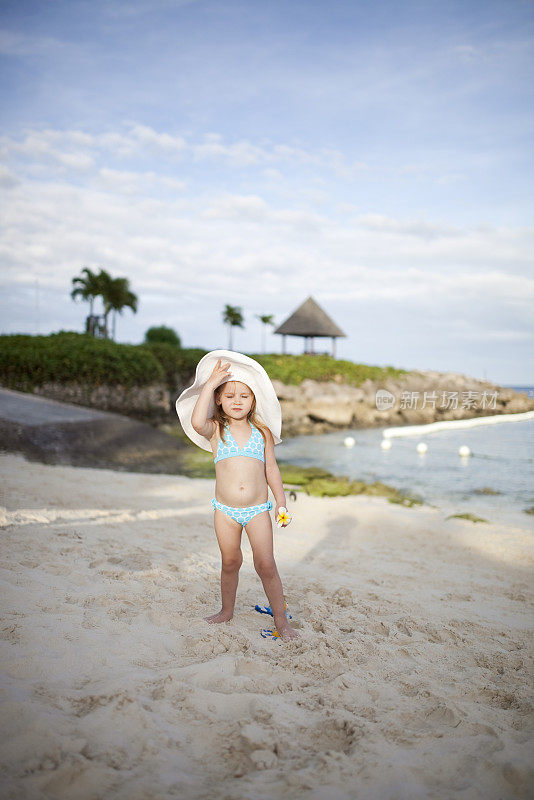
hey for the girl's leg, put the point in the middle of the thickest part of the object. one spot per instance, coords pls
(229, 537)
(260, 533)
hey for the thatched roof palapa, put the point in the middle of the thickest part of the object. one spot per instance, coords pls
(309, 320)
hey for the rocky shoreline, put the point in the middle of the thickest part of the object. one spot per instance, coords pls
(416, 398)
(315, 407)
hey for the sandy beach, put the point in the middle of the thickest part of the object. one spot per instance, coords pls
(412, 679)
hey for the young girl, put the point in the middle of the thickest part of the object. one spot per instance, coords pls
(225, 418)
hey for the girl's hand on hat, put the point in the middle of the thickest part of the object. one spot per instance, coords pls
(220, 372)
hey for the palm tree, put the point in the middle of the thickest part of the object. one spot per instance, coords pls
(87, 288)
(266, 319)
(232, 316)
(105, 283)
(116, 295)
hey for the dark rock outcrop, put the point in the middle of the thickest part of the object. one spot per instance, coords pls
(147, 403)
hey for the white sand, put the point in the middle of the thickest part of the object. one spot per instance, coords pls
(412, 678)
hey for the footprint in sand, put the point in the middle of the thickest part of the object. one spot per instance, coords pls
(339, 734)
(519, 773)
(379, 628)
(68, 775)
(505, 700)
(84, 705)
(404, 627)
(443, 715)
(135, 562)
(431, 633)
(343, 597)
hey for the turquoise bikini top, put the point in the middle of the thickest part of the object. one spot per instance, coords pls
(254, 448)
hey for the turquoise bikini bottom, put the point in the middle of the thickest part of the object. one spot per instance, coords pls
(242, 515)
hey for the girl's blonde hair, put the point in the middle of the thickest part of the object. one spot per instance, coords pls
(221, 419)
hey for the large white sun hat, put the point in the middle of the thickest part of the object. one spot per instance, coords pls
(243, 369)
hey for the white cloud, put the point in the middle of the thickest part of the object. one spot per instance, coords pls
(52, 228)
(14, 43)
(466, 52)
(68, 149)
(120, 8)
(233, 207)
(241, 153)
(8, 179)
(127, 182)
(255, 246)
(165, 142)
(80, 150)
(505, 336)
(418, 228)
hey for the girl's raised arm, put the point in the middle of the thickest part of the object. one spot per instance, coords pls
(199, 420)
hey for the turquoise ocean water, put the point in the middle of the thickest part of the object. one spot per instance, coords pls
(502, 459)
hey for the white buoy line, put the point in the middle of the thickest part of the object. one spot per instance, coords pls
(417, 430)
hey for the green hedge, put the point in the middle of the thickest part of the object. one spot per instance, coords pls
(177, 364)
(27, 361)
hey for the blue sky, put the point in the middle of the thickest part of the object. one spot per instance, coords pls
(377, 156)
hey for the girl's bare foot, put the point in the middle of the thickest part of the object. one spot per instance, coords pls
(221, 616)
(287, 632)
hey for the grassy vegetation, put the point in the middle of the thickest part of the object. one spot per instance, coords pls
(321, 483)
(470, 517)
(406, 500)
(292, 369)
(28, 361)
